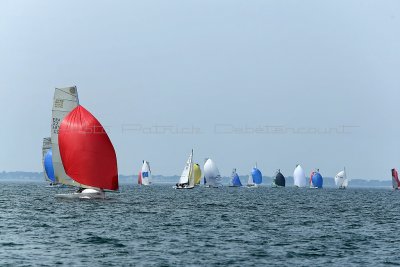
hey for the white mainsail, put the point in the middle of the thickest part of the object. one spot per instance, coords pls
(46, 147)
(146, 173)
(250, 181)
(299, 177)
(187, 176)
(65, 100)
(211, 173)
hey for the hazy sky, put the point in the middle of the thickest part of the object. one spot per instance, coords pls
(304, 66)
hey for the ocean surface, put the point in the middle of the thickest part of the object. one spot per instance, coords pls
(161, 226)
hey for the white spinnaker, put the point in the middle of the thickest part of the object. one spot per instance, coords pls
(211, 173)
(299, 177)
(46, 147)
(146, 169)
(339, 179)
(345, 179)
(187, 171)
(65, 100)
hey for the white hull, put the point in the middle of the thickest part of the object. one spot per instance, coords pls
(85, 194)
(55, 186)
(211, 186)
(184, 187)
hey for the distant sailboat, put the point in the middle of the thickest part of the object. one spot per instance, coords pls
(197, 174)
(316, 179)
(341, 179)
(47, 161)
(255, 177)
(211, 174)
(145, 174)
(186, 181)
(87, 155)
(299, 177)
(235, 180)
(279, 180)
(395, 180)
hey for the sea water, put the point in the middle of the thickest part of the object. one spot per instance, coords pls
(161, 226)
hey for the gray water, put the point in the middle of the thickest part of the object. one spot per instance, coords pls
(160, 226)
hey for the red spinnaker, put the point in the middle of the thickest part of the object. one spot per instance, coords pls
(395, 176)
(86, 151)
(140, 177)
(312, 174)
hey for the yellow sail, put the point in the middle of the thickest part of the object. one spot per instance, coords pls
(197, 173)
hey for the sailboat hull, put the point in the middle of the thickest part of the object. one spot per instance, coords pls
(85, 194)
(184, 187)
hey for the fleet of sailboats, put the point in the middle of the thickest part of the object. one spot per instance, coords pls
(80, 154)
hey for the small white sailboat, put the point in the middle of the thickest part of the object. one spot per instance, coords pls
(212, 177)
(299, 177)
(145, 174)
(186, 181)
(250, 182)
(341, 179)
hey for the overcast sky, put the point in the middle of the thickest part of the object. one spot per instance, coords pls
(280, 72)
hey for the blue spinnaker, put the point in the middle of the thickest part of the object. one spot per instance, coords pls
(236, 180)
(48, 165)
(257, 176)
(317, 180)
